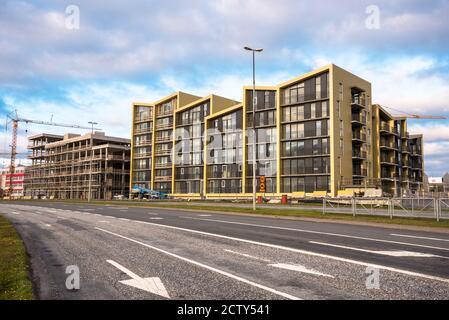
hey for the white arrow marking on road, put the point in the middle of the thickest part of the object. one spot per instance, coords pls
(391, 253)
(153, 285)
(299, 268)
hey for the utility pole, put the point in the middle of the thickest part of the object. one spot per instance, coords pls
(254, 121)
(89, 194)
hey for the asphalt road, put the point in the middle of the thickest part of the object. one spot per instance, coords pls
(147, 253)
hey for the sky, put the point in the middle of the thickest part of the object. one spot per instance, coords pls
(56, 66)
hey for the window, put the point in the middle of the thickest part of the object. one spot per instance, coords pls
(267, 99)
(223, 183)
(318, 88)
(318, 128)
(301, 130)
(312, 111)
(301, 113)
(324, 109)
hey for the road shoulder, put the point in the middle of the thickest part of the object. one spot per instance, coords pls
(15, 283)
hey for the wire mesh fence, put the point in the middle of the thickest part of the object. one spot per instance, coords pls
(429, 208)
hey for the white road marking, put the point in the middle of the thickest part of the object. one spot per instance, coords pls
(47, 225)
(391, 253)
(153, 213)
(156, 218)
(320, 232)
(299, 268)
(204, 215)
(85, 212)
(246, 255)
(153, 285)
(16, 213)
(227, 274)
(124, 219)
(88, 209)
(416, 237)
(103, 221)
(361, 263)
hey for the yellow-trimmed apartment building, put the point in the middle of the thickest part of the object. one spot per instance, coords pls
(316, 135)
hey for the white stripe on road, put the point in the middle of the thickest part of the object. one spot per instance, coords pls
(16, 213)
(416, 237)
(204, 215)
(156, 218)
(299, 268)
(123, 219)
(320, 232)
(246, 255)
(227, 274)
(361, 263)
(391, 253)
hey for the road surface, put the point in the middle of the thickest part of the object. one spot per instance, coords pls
(148, 253)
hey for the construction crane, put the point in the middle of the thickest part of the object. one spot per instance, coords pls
(414, 116)
(15, 119)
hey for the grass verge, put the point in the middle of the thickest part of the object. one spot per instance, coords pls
(14, 280)
(276, 210)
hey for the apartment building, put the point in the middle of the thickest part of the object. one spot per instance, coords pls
(18, 181)
(67, 167)
(314, 135)
(399, 155)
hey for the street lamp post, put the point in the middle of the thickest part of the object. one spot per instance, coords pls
(254, 120)
(91, 157)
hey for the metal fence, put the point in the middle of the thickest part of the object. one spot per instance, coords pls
(430, 208)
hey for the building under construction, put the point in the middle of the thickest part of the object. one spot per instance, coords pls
(67, 167)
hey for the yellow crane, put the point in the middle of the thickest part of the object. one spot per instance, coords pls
(414, 116)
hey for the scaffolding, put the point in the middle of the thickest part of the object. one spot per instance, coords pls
(67, 167)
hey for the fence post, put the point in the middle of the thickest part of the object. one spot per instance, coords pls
(324, 205)
(354, 206)
(391, 202)
(436, 205)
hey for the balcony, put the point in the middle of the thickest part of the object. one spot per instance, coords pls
(405, 149)
(358, 154)
(142, 143)
(164, 139)
(162, 126)
(142, 155)
(163, 165)
(145, 130)
(358, 136)
(164, 113)
(143, 118)
(358, 119)
(386, 129)
(390, 161)
(388, 145)
(163, 152)
(359, 172)
(359, 100)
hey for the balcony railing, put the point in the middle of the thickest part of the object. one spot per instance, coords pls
(359, 136)
(163, 139)
(386, 128)
(358, 118)
(359, 172)
(164, 125)
(387, 144)
(163, 165)
(359, 154)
